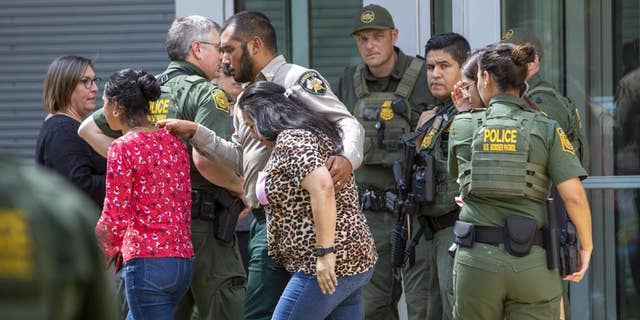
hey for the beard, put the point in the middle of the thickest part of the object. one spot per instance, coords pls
(245, 73)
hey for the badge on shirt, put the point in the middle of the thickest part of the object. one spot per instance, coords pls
(312, 83)
(386, 113)
(220, 99)
(566, 144)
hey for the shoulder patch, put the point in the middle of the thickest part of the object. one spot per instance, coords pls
(219, 99)
(311, 82)
(566, 144)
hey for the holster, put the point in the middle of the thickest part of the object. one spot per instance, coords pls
(218, 206)
(569, 252)
(520, 234)
(424, 179)
(465, 235)
(225, 224)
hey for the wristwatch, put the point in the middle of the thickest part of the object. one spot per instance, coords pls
(319, 251)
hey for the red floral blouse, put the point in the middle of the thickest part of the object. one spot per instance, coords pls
(147, 207)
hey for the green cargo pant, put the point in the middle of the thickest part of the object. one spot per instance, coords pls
(380, 296)
(218, 276)
(491, 284)
(428, 284)
(267, 279)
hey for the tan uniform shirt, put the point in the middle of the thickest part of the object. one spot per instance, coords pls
(248, 156)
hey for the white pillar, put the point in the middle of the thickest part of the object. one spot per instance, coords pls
(412, 18)
(478, 21)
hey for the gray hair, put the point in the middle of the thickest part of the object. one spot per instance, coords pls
(184, 31)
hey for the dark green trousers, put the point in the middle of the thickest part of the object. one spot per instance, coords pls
(428, 284)
(491, 284)
(218, 283)
(380, 296)
(267, 279)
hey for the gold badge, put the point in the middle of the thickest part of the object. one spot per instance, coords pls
(566, 144)
(367, 16)
(507, 35)
(386, 113)
(428, 138)
(220, 99)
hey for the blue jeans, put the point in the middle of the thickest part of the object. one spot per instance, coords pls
(154, 286)
(302, 298)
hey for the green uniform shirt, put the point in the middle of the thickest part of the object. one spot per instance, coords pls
(380, 177)
(192, 98)
(549, 104)
(50, 264)
(567, 115)
(446, 186)
(547, 148)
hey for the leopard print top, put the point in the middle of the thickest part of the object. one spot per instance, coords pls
(291, 231)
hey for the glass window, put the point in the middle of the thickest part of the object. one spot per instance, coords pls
(628, 253)
(441, 16)
(278, 13)
(626, 66)
(332, 46)
(543, 19)
(626, 51)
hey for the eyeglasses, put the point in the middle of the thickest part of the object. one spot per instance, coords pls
(88, 82)
(216, 45)
(465, 89)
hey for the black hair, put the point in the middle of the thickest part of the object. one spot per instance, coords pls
(272, 112)
(132, 90)
(248, 24)
(452, 43)
(507, 63)
(470, 67)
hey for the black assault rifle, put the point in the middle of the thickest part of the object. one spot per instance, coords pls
(403, 204)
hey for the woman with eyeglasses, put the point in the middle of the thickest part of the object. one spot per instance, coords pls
(69, 93)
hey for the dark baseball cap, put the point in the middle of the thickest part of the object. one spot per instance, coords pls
(373, 16)
(520, 36)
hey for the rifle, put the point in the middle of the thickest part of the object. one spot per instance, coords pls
(402, 207)
(403, 204)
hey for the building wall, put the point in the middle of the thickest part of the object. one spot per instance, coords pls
(113, 33)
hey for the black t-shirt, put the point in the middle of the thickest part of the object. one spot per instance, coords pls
(60, 148)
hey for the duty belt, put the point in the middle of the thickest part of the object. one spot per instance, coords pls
(442, 222)
(203, 204)
(496, 236)
(518, 235)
